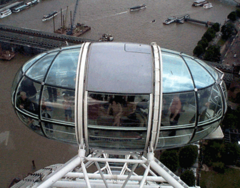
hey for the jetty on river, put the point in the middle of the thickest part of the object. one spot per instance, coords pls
(185, 18)
(32, 41)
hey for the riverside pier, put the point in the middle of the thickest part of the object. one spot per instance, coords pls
(31, 41)
(206, 23)
(185, 18)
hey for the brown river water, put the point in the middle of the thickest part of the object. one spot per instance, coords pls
(113, 16)
(19, 145)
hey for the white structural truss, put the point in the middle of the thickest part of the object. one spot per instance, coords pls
(101, 169)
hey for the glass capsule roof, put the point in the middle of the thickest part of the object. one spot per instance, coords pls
(179, 72)
(122, 96)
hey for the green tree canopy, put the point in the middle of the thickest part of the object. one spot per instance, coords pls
(203, 42)
(232, 16)
(213, 53)
(231, 154)
(198, 50)
(209, 34)
(230, 121)
(216, 27)
(238, 12)
(188, 156)
(228, 30)
(219, 167)
(170, 159)
(213, 152)
(188, 177)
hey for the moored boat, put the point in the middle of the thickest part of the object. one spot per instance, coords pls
(20, 8)
(199, 3)
(136, 8)
(49, 16)
(207, 6)
(5, 13)
(34, 2)
(106, 37)
(170, 20)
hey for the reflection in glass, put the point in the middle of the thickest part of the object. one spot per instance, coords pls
(58, 103)
(117, 119)
(27, 97)
(203, 104)
(63, 71)
(31, 61)
(176, 77)
(216, 102)
(59, 132)
(203, 131)
(210, 69)
(15, 82)
(118, 110)
(210, 104)
(117, 139)
(31, 123)
(224, 89)
(180, 111)
(171, 138)
(38, 71)
(200, 76)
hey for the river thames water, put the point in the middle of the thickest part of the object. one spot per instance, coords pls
(113, 16)
(19, 145)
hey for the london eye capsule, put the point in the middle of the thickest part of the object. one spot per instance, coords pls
(119, 96)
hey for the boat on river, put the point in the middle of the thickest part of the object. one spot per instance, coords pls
(207, 6)
(137, 8)
(170, 20)
(34, 2)
(49, 16)
(20, 8)
(199, 3)
(177, 19)
(5, 13)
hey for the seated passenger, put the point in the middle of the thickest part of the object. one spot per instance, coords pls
(28, 87)
(175, 109)
(23, 102)
(115, 109)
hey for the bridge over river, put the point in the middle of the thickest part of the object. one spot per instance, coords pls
(34, 41)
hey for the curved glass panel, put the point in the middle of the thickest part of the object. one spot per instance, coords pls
(176, 77)
(116, 139)
(118, 110)
(200, 76)
(117, 119)
(31, 123)
(224, 89)
(210, 104)
(38, 71)
(59, 132)
(170, 51)
(27, 97)
(58, 103)
(15, 82)
(63, 70)
(178, 109)
(174, 138)
(210, 69)
(204, 131)
(31, 61)
(216, 102)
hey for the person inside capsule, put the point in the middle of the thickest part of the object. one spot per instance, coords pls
(117, 110)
